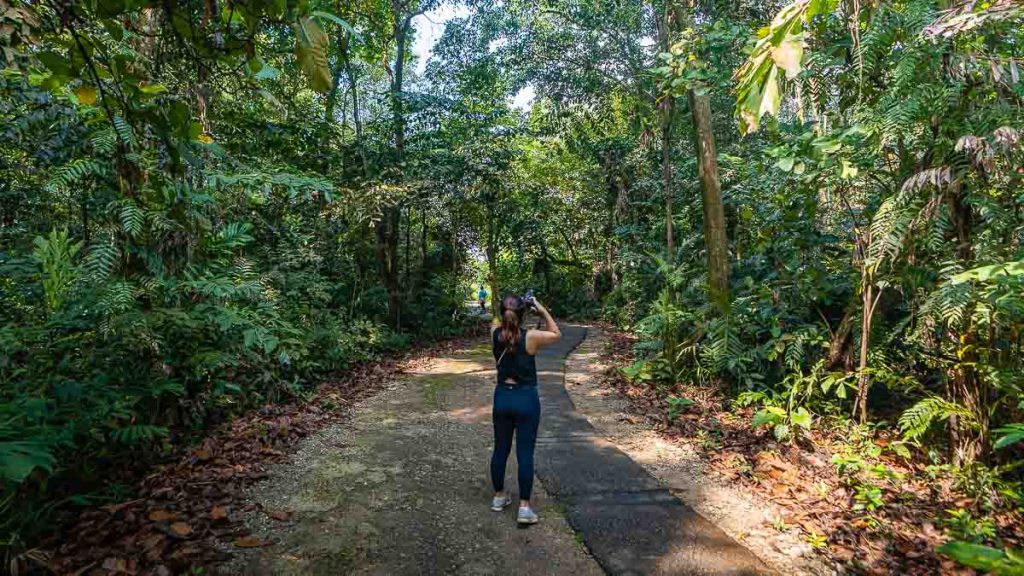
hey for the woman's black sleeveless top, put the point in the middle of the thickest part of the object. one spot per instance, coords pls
(519, 369)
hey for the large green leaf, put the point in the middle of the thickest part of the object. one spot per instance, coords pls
(780, 46)
(984, 558)
(802, 418)
(987, 273)
(311, 46)
(1011, 435)
(19, 458)
(769, 415)
(337, 20)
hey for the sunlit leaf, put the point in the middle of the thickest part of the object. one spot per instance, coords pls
(86, 94)
(311, 45)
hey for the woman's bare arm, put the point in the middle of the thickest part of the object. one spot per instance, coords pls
(549, 335)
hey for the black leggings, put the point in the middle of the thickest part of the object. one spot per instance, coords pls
(516, 410)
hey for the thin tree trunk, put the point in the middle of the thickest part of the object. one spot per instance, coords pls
(332, 96)
(492, 259)
(666, 179)
(716, 240)
(356, 120)
(667, 107)
(423, 249)
(969, 389)
(387, 227)
(869, 301)
(408, 257)
(863, 381)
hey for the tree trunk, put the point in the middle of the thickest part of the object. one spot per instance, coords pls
(423, 249)
(715, 239)
(387, 250)
(387, 227)
(666, 179)
(667, 107)
(838, 346)
(332, 96)
(408, 254)
(863, 381)
(968, 388)
(869, 300)
(492, 259)
(356, 120)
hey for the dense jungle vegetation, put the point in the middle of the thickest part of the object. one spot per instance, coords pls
(812, 207)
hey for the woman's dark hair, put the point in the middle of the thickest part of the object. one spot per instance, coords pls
(512, 309)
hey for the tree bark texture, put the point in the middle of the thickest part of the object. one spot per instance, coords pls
(715, 238)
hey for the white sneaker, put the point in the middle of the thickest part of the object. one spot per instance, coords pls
(527, 516)
(499, 502)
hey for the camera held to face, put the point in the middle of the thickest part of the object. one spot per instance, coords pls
(529, 300)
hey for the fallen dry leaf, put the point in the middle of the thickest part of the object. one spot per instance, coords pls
(160, 516)
(218, 513)
(280, 515)
(181, 529)
(252, 542)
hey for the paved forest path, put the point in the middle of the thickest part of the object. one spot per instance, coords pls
(402, 488)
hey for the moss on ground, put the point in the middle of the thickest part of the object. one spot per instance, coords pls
(434, 388)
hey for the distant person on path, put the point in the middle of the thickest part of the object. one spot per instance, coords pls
(482, 296)
(516, 401)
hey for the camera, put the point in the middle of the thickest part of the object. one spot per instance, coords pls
(528, 299)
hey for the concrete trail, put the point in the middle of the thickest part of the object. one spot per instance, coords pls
(403, 488)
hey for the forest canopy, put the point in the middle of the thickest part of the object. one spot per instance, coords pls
(812, 207)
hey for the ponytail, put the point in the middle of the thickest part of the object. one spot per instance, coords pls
(511, 312)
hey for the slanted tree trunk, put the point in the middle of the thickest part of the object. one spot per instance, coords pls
(869, 301)
(867, 312)
(716, 240)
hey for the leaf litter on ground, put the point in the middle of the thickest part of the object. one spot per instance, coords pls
(183, 508)
(899, 537)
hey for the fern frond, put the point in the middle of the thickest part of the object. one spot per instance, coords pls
(75, 171)
(132, 218)
(137, 434)
(125, 132)
(917, 419)
(101, 261)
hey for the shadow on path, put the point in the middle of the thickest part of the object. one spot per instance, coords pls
(629, 522)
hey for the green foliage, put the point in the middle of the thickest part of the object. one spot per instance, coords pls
(55, 255)
(961, 525)
(676, 405)
(186, 232)
(867, 497)
(1011, 434)
(916, 420)
(201, 212)
(1007, 562)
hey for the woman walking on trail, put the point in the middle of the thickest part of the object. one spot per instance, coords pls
(516, 401)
